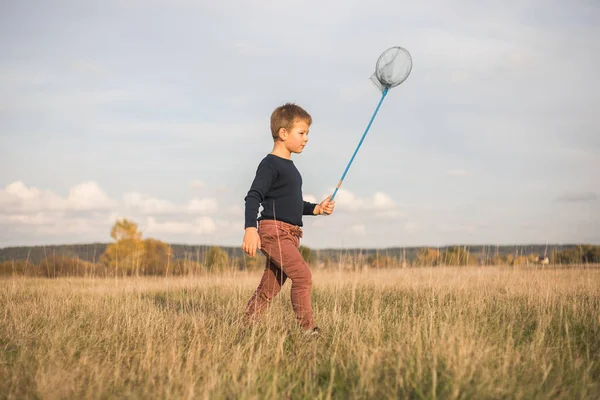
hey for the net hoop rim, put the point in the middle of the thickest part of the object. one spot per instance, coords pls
(409, 67)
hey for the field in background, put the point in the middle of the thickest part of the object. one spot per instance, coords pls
(493, 332)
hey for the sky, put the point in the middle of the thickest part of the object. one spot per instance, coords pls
(158, 111)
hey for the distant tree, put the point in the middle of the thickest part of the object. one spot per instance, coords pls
(130, 255)
(510, 259)
(456, 255)
(583, 254)
(57, 265)
(381, 261)
(157, 257)
(520, 260)
(590, 254)
(19, 267)
(126, 255)
(216, 259)
(256, 263)
(186, 266)
(125, 229)
(426, 257)
(328, 262)
(498, 260)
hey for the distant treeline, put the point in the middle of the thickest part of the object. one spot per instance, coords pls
(130, 255)
(93, 251)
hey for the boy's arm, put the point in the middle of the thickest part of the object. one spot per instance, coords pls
(265, 174)
(325, 207)
(310, 209)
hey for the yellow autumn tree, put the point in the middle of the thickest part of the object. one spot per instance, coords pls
(456, 255)
(130, 255)
(427, 257)
(381, 261)
(157, 258)
(217, 259)
(247, 263)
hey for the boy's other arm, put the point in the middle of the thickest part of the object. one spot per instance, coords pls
(325, 207)
(251, 241)
(309, 208)
(263, 180)
(265, 174)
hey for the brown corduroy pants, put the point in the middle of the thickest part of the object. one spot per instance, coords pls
(279, 243)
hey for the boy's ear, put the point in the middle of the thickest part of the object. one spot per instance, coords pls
(283, 133)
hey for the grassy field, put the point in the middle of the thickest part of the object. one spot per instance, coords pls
(493, 332)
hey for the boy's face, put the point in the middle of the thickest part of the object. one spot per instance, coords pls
(296, 138)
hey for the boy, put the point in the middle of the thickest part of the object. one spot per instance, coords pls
(278, 187)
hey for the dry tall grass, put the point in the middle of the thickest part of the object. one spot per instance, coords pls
(412, 333)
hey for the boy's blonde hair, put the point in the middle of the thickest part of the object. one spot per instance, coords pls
(285, 116)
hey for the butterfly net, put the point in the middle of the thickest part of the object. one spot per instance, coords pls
(392, 68)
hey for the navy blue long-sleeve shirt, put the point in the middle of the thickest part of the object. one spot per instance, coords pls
(278, 187)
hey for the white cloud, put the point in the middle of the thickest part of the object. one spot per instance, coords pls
(202, 206)
(54, 228)
(21, 191)
(80, 225)
(236, 211)
(382, 201)
(16, 197)
(88, 211)
(228, 227)
(147, 204)
(88, 196)
(200, 226)
(346, 199)
(32, 213)
(379, 201)
(197, 184)
(310, 198)
(39, 218)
